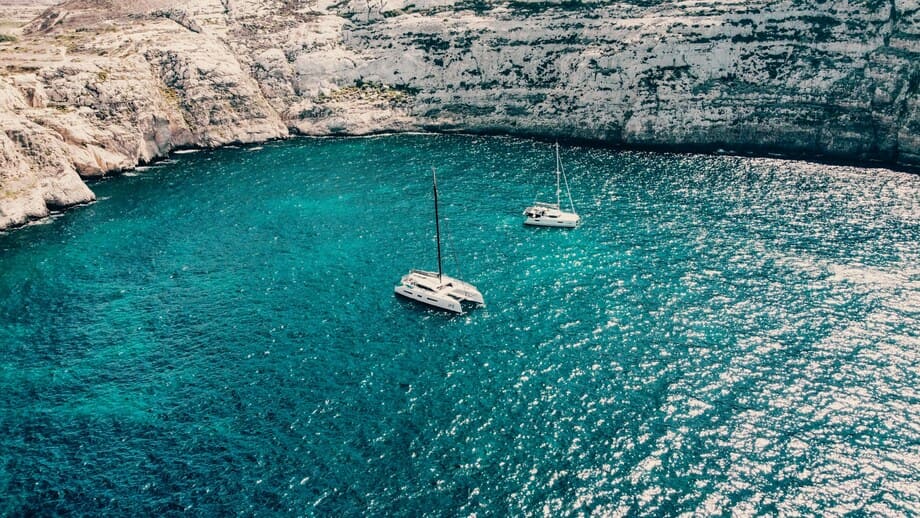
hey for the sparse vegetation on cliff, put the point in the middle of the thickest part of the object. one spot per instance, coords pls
(132, 80)
(367, 91)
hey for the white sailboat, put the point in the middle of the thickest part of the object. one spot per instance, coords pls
(542, 214)
(435, 288)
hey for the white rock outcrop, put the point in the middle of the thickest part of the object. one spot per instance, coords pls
(96, 86)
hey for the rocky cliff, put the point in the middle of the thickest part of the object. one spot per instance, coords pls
(90, 87)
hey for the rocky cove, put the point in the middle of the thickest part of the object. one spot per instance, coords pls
(93, 87)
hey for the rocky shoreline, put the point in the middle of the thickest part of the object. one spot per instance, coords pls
(92, 87)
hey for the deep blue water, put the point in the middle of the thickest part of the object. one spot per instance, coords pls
(218, 335)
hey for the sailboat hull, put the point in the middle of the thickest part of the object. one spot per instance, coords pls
(549, 222)
(538, 216)
(544, 214)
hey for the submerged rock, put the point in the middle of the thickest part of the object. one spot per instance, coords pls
(99, 86)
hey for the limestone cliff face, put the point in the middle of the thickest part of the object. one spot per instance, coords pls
(95, 86)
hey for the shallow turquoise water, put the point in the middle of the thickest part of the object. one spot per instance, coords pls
(218, 335)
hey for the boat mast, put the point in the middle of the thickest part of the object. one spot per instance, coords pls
(437, 224)
(558, 166)
(568, 192)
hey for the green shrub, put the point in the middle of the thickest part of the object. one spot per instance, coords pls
(7, 37)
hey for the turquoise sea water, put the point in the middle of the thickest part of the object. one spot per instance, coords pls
(218, 335)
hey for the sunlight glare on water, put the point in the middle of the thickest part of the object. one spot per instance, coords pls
(218, 334)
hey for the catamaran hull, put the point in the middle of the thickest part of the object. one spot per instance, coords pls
(429, 299)
(434, 288)
(437, 290)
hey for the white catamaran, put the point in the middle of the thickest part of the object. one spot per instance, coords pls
(543, 214)
(437, 289)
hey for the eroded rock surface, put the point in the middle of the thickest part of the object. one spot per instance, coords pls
(95, 86)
